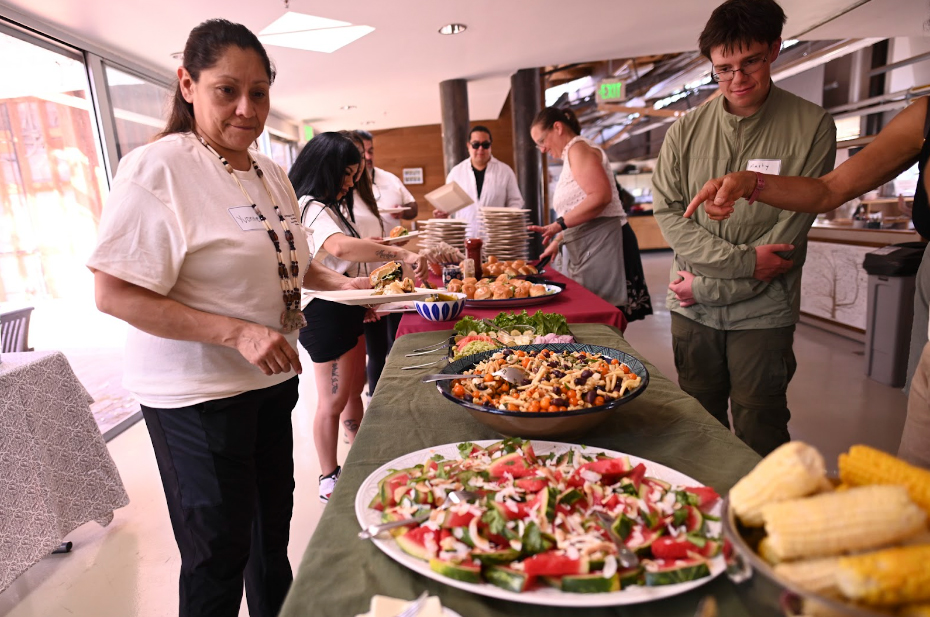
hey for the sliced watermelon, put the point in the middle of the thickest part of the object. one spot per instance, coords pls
(706, 496)
(636, 476)
(508, 578)
(389, 485)
(641, 538)
(695, 521)
(514, 464)
(456, 519)
(467, 571)
(673, 571)
(675, 548)
(553, 564)
(422, 543)
(532, 484)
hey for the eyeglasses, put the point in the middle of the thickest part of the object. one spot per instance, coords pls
(481, 144)
(748, 68)
(541, 143)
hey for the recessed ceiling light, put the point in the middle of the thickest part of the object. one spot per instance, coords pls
(311, 33)
(452, 29)
(368, 122)
(347, 107)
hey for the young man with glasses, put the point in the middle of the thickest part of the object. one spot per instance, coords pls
(735, 295)
(487, 181)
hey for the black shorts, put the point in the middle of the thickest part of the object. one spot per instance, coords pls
(332, 329)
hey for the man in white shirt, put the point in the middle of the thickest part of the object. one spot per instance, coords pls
(389, 191)
(490, 183)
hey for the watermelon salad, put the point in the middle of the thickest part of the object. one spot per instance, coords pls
(532, 521)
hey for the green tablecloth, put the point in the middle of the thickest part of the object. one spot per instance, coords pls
(339, 573)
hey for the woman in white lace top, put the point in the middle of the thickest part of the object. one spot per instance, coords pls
(588, 231)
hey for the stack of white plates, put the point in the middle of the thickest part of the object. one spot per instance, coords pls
(450, 231)
(505, 233)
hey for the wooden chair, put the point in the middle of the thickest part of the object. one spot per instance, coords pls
(14, 330)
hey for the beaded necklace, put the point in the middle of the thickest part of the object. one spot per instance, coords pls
(291, 318)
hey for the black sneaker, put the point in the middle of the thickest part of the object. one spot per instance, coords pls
(328, 483)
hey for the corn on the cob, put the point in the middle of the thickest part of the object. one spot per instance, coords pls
(862, 518)
(792, 470)
(886, 578)
(765, 552)
(814, 575)
(915, 610)
(864, 465)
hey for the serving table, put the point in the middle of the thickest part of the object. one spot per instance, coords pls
(55, 470)
(339, 573)
(577, 303)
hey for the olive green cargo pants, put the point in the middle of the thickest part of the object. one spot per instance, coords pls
(747, 370)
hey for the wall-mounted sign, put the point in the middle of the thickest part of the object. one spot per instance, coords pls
(413, 176)
(611, 90)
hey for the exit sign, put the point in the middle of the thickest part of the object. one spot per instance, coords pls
(611, 90)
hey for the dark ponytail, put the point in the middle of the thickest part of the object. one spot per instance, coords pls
(205, 45)
(546, 118)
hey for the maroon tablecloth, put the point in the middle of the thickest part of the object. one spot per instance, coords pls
(577, 304)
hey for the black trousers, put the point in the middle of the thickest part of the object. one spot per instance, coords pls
(227, 467)
(379, 339)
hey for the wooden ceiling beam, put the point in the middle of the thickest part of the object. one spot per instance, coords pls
(643, 111)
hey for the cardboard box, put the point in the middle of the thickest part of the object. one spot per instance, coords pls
(449, 198)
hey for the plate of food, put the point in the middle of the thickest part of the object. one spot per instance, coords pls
(387, 283)
(400, 234)
(504, 292)
(506, 329)
(527, 529)
(394, 210)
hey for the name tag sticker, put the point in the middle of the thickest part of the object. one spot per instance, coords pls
(246, 218)
(764, 166)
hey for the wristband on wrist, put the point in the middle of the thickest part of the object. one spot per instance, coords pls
(561, 222)
(760, 184)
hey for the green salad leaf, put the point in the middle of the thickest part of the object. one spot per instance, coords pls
(543, 323)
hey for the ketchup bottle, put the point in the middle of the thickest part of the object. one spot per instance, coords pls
(473, 251)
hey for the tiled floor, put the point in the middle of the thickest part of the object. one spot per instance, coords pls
(130, 568)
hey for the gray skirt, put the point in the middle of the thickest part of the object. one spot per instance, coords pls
(592, 256)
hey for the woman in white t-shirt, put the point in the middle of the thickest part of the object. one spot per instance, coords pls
(323, 174)
(200, 250)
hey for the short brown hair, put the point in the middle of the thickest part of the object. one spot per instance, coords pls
(737, 24)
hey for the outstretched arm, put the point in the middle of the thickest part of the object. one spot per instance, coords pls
(894, 149)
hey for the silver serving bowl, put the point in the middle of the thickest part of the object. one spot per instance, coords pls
(760, 589)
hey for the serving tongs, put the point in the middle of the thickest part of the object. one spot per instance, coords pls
(455, 497)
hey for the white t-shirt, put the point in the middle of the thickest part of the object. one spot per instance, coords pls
(370, 226)
(325, 223)
(177, 224)
(389, 192)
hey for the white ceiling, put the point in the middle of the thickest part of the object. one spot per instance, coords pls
(392, 75)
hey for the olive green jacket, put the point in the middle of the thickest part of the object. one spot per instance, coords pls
(711, 142)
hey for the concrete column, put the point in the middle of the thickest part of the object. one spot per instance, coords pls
(525, 103)
(453, 97)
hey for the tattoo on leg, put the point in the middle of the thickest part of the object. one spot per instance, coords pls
(351, 425)
(334, 379)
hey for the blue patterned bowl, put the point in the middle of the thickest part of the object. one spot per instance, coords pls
(441, 310)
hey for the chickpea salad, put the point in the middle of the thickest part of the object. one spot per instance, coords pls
(556, 381)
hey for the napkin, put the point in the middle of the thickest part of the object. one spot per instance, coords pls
(384, 606)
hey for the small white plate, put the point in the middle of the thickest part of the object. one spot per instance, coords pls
(409, 236)
(366, 297)
(394, 210)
